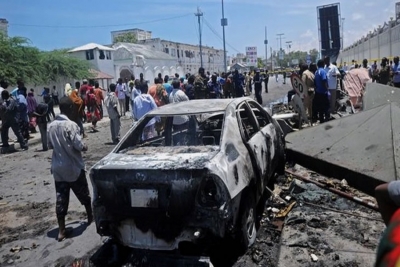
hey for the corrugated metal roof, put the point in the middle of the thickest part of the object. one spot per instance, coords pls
(90, 46)
(100, 75)
(146, 51)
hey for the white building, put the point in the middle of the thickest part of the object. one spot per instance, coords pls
(100, 58)
(4, 27)
(133, 59)
(188, 56)
(138, 33)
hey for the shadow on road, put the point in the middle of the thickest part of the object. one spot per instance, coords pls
(73, 229)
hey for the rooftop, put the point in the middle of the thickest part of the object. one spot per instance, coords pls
(90, 46)
(144, 50)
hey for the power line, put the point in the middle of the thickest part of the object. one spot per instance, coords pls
(98, 26)
(218, 35)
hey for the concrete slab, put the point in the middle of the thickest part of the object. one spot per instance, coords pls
(362, 148)
(378, 94)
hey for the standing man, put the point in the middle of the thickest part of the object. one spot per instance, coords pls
(238, 82)
(143, 83)
(9, 111)
(200, 85)
(396, 72)
(321, 98)
(384, 73)
(266, 80)
(54, 95)
(214, 87)
(179, 123)
(111, 104)
(143, 104)
(332, 74)
(127, 95)
(374, 72)
(99, 98)
(40, 113)
(67, 164)
(83, 91)
(247, 82)
(121, 91)
(308, 78)
(258, 86)
(284, 77)
(167, 86)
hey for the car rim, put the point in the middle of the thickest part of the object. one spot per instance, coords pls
(250, 224)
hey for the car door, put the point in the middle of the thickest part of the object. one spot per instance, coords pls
(255, 143)
(268, 132)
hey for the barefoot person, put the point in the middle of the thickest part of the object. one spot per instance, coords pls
(67, 164)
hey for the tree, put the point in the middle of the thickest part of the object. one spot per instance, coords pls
(57, 63)
(125, 38)
(260, 63)
(20, 61)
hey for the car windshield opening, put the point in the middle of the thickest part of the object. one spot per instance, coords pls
(203, 129)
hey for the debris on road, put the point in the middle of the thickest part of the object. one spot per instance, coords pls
(314, 257)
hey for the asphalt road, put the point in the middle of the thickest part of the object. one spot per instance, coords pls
(28, 226)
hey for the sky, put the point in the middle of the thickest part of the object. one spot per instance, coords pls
(50, 24)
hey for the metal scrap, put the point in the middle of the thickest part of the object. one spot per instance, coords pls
(282, 213)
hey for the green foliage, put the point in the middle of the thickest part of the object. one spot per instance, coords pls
(125, 38)
(300, 55)
(21, 61)
(57, 63)
(260, 63)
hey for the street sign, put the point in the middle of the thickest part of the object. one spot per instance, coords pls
(308, 59)
(251, 55)
(297, 84)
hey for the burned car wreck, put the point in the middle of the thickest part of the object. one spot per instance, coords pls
(196, 182)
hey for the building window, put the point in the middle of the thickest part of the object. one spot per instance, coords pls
(102, 55)
(108, 55)
(90, 54)
(166, 50)
(173, 52)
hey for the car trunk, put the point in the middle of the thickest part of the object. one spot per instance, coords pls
(155, 189)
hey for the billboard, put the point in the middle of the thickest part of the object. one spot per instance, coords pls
(329, 23)
(251, 56)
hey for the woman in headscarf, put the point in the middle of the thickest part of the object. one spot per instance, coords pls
(77, 110)
(68, 89)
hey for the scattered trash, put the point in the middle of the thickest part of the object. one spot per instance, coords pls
(286, 210)
(29, 182)
(46, 183)
(275, 210)
(288, 198)
(314, 257)
(344, 183)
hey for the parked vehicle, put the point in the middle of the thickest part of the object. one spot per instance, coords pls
(194, 182)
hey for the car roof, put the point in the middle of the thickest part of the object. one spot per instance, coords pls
(196, 106)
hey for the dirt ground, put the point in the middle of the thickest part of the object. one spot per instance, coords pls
(28, 226)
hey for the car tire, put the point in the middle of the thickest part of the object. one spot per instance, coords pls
(247, 228)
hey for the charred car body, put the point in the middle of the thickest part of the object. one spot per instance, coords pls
(194, 182)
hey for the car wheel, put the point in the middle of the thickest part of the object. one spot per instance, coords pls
(247, 232)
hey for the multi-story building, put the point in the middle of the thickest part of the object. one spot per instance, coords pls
(188, 55)
(138, 33)
(4, 26)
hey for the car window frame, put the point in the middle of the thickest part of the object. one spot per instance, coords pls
(261, 110)
(244, 132)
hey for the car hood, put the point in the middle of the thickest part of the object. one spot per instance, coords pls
(156, 158)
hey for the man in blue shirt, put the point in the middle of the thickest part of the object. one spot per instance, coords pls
(321, 99)
(396, 72)
(167, 85)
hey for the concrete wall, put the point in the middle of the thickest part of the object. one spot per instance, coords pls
(374, 46)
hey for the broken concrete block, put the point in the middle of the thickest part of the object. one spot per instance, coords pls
(314, 257)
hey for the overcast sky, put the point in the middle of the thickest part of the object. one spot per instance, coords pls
(53, 24)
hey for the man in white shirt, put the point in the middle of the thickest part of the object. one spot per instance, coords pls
(180, 122)
(332, 73)
(121, 93)
(3, 86)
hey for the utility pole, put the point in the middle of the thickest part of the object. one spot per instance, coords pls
(198, 15)
(272, 64)
(280, 48)
(266, 48)
(224, 22)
